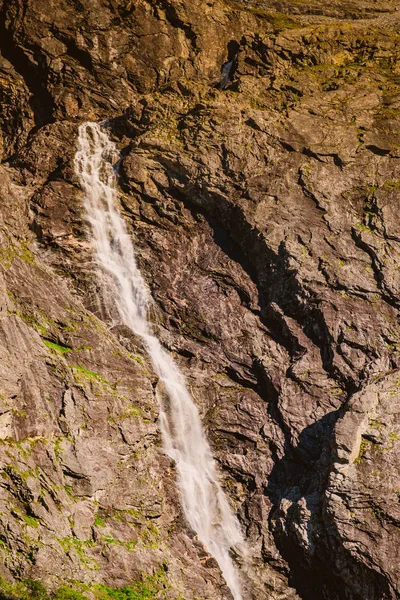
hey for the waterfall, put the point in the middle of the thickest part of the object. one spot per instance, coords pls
(203, 501)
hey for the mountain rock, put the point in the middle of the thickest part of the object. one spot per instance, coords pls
(260, 152)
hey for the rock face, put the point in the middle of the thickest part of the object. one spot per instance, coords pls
(260, 153)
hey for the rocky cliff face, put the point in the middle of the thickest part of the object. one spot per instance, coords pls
(260, 146)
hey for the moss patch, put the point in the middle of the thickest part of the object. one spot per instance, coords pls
(58, 348)
(362, 450)
(146, 530)
(72, 544)
(31, 521)
(149, 586)
(81, 372)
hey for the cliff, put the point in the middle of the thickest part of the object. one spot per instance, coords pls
(259, 179)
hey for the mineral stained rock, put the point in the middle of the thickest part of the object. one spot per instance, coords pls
(259, 178)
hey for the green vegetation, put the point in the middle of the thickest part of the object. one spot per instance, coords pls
(66, 593)
(377, 513)
(31, 521)
(68, 488)
(375, 424)
(148, 587)
(353, 57)
(338, 390)
(59, 348)
(81, 372)
(99, 522)
(69, 326)
(361, 452)
(31, 315)
(146, 531)
(130, 545)
(380, 447)
(365, 228)
(15, 250)
(277, 20)
(71, 544)
(28, 589)
(392, 184)
(137, 358)
(133, 411)
(258, 104)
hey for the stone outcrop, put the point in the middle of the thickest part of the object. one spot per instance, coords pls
(260, 152)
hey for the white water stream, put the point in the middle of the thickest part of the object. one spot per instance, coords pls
(204, 504)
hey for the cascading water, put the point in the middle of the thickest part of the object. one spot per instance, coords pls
(204, 503)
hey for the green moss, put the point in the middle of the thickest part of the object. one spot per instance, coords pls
(393, 437)
(65, 593)
(377, 513)
(130, 545)
(132, 411)
(392, 185)
(28, 589)
(375, 424)
(59, 348)
(15, 249)
(68, 489)
(149, 586)
(278, 20)
(80, 548)
(31, 521)
(26, 254)
(366, 228)
(146, 530)
(18, 412)
(7, 256)
(31, 315)
(137, 358)
(361, 452)
(149, 535)
(307, 169)
(337, 390)
(88, 375)
(16, 472)
(69, 326)
(36, 589)
(58, 447)
(32, 321)
(258, 104)
(99, 522)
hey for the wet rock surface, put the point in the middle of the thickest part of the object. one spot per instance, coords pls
(259, 180)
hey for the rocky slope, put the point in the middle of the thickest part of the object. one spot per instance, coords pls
(260, 146)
